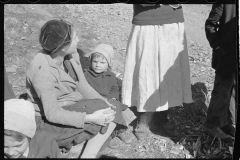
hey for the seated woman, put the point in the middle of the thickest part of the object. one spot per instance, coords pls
(65, 104)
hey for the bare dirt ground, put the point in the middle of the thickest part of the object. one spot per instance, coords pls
(111, 23)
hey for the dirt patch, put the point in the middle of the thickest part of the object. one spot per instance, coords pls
(195, 17)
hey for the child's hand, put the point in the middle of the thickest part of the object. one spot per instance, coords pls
(110, 105)
(109, 111)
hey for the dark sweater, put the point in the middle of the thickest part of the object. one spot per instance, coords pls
(156, 15)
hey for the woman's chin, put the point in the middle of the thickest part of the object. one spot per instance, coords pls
(72, 52)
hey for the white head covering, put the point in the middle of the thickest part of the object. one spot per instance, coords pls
(19, 115)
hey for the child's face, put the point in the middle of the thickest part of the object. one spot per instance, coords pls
(99, 64)
(13, 148)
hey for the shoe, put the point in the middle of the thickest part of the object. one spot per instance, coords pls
(217, 132)
(141, 132)
(125, 138)
(170, 129)
(229, 129)
(140, 136)
(113, 144)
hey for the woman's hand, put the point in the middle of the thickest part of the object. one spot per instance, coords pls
(101, 117)
(109, 111)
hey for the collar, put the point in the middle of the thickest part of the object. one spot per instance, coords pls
(61, 72)
(106, 73)
(50, 60)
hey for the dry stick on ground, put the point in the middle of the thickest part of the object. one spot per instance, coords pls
(197, 146)
(212, 143)
(220, 143)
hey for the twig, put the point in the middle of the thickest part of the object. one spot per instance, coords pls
(220, 143)
(194, 135)
(205, 95)
(212, 143)
(191, 139)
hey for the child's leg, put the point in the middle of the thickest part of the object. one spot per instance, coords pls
(94, 145)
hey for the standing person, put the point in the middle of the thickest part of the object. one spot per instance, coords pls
(21, 140)
(104, 81)
(221, 32)
(65, 104)
(157, 73)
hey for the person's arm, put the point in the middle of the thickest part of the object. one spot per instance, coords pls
(212, 25)
(45, 86)
(114, 91)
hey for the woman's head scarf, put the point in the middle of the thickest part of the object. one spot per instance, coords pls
(54, 35)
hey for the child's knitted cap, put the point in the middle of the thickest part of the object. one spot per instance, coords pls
(19, 115)
(104, 49)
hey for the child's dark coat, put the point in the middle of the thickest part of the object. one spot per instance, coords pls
(104, 83)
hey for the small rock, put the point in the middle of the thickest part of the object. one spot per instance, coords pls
(188, 156)
(231, 150)
(11, 69)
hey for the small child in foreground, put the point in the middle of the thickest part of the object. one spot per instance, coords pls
(104, 81)
(21, 140)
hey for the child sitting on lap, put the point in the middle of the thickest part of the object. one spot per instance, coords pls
(104, 81)
(21, 140)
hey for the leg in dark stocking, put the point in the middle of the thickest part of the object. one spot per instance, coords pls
(142, 129)
(168, 127)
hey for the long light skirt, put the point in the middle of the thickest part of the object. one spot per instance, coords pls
(157, 73)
